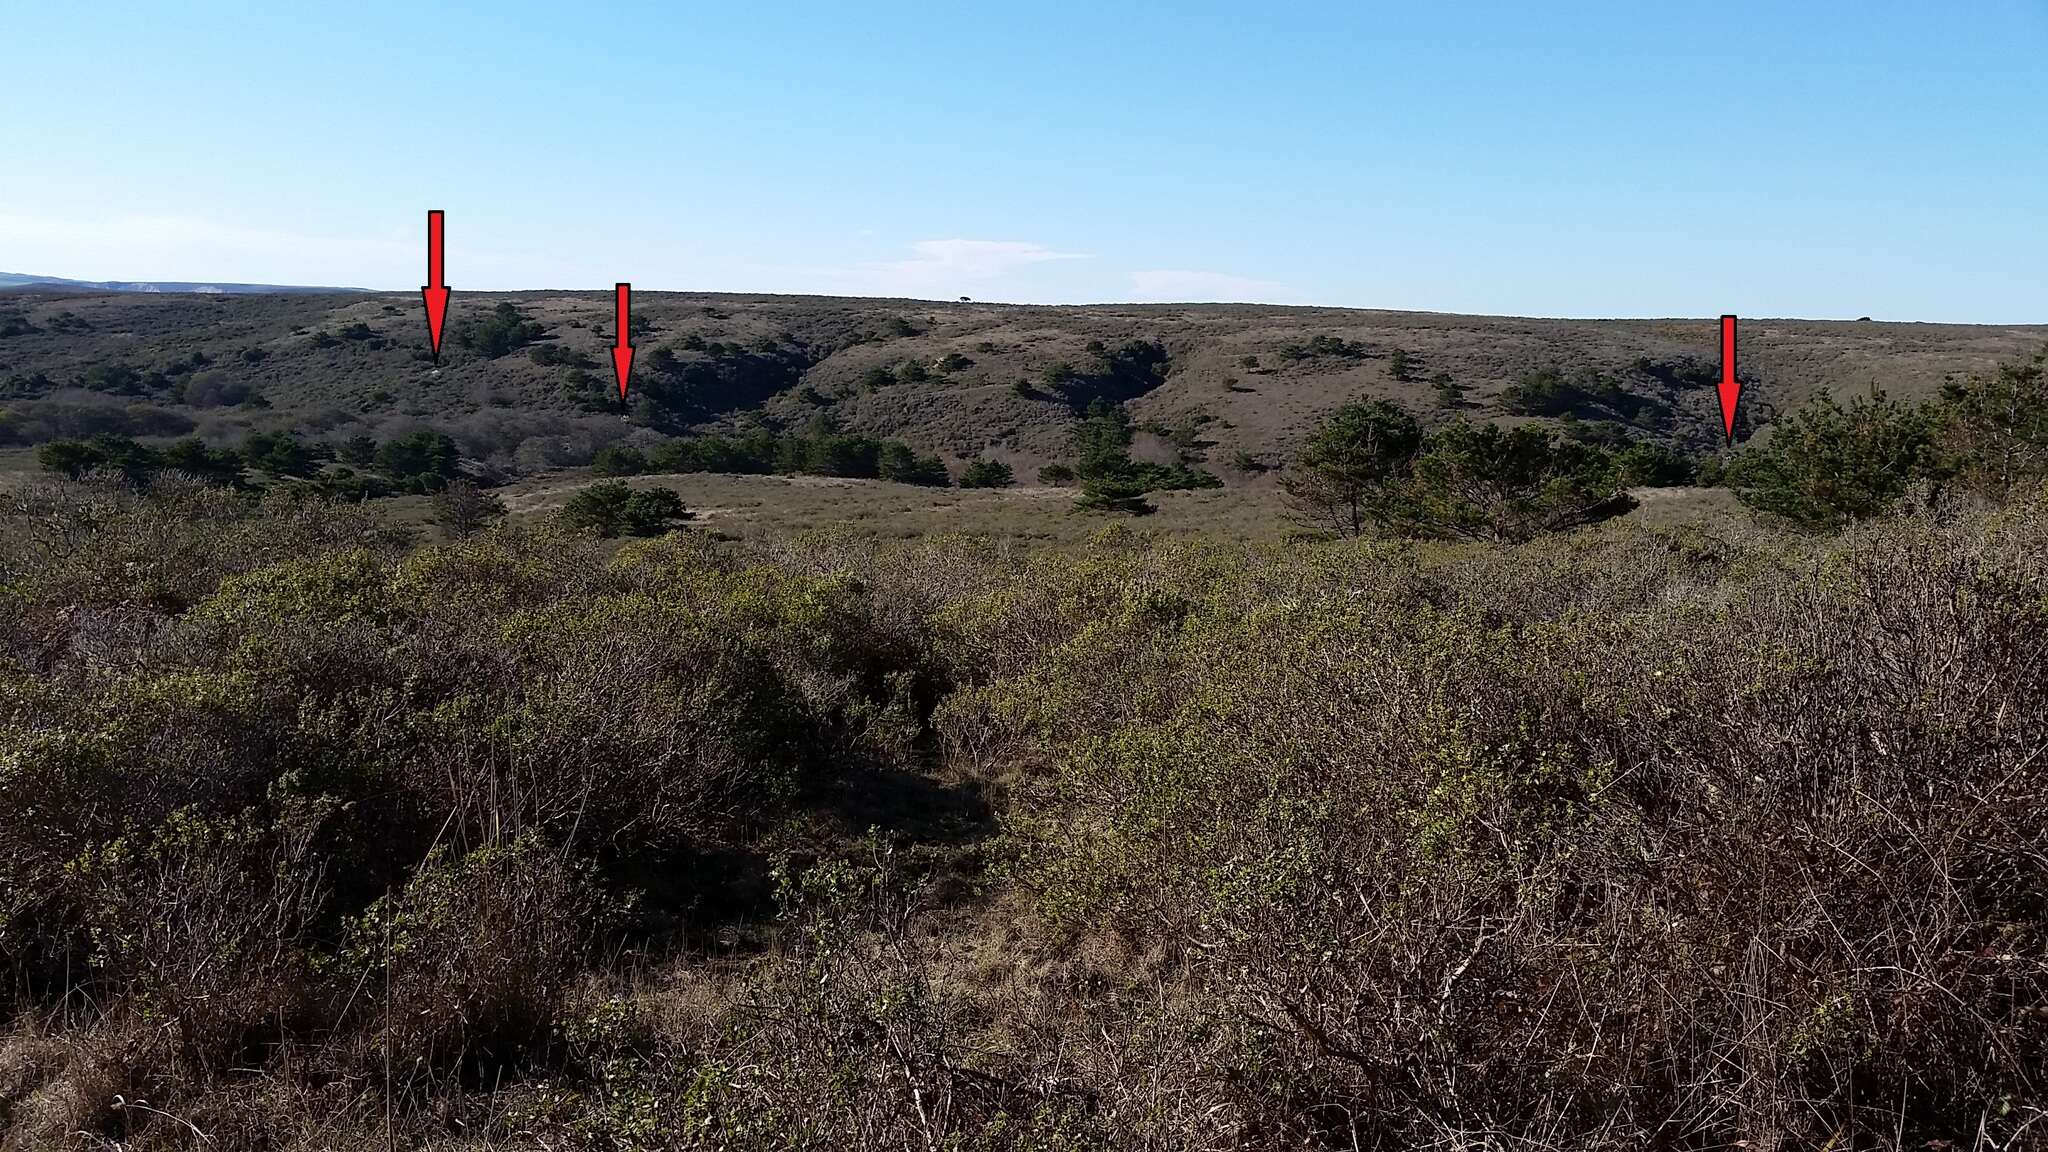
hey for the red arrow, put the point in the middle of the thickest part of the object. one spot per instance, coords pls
(1731, 388)
(622, 346)
(434, 292)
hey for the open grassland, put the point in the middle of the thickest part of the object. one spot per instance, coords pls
(768, 507)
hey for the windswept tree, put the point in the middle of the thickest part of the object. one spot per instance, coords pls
(1828, 464)
(1484, 482)
(1111, 481)
(281, 454)
(987, 474)
(1370, 468)
(1994, 429)
(503, 330)
(73, 459)
(1102, 442)
(898, 462)
(1350, 469)
(619, 460)
(420, 461)
(140, 464)
(610, 508)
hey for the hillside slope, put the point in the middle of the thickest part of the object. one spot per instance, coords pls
(964, 379)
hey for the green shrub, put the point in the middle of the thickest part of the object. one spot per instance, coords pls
(1544, 393)
(281, 454)
(619, 460)
(1830, 464)
(987, 474)
(610, 508)
(1400, 365)
(476, 954)
(1147, 843)
(140, 464)
(1102, 441)
(1352, 465)
(358, 450)
(1369, 467)
(73, 459)
(118, 379)
(420, 461)
(1114, 494)
(1547, 392)
(1646, 465)
(556, 356)
(192, 458)
(1992, 431)
(215, 390)
(1317, 346)
(1102, 459)
(897, 462)
(502, 331)
(1483, 482)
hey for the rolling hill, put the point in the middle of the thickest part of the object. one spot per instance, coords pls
(525, 384)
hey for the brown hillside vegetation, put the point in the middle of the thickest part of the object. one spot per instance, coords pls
(961, 380)
(1511, 768)
(1631, 838)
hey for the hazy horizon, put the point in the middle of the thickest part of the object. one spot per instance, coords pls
(604, 293)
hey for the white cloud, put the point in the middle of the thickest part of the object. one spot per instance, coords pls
(1185, 286)
(938, 268)
(186, 248)
(166, 247)
(196, 249)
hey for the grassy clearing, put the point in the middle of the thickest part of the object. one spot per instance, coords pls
(770, 507)
(764, 508)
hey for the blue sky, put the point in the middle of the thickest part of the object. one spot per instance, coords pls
(1572, 159)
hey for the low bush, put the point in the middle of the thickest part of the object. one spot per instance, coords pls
(420, 461)
(138, 463)
(1318, 346)
(464, 508)
(1111, 480)
(281, 454)
(610, 508)
(500, 332)
(1370, 468)
(1831, 464)
(987, 474)
(618, 460)
(1629, 838)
